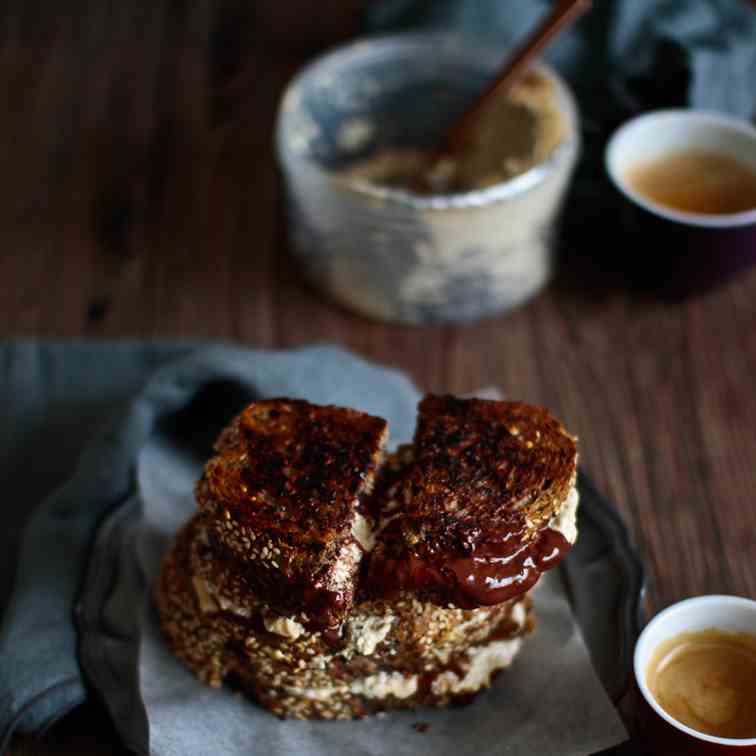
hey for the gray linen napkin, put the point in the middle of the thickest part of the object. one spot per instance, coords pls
(647, 53)
(55, 397)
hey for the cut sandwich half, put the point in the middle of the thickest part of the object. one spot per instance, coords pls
(478, 507)
(283, 499)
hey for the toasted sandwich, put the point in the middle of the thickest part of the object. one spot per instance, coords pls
(480, 505)
(330, 582)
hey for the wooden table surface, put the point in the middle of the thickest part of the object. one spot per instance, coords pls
(140, 198)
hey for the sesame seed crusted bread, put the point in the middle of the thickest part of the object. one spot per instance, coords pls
(388, 655)
(479, 468)
(419, 630)
(283, 495)
(467, 511)
(459, 681)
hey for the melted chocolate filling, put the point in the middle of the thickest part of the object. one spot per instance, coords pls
(489, 574)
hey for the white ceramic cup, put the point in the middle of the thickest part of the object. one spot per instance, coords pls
(653, 135)
(693, 251)
(728, 613)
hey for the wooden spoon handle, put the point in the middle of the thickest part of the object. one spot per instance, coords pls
(563, 14)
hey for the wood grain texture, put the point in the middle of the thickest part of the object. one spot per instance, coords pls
(140, 198)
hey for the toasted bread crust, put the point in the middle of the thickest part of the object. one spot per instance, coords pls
(283, 496)
(481, 470)
(294, 467)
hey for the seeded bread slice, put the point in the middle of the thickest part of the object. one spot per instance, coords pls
(283, 496)
(466, 511)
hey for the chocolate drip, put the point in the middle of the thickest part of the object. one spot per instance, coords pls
(490, 574)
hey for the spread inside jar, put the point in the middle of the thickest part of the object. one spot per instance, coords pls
(514, 133)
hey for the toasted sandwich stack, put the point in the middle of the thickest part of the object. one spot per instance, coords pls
(329, 580)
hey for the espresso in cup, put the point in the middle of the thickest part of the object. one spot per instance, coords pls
(707, 681)
(696, 181)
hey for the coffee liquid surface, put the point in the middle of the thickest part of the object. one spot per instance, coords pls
(696, 182)
(707, 681)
